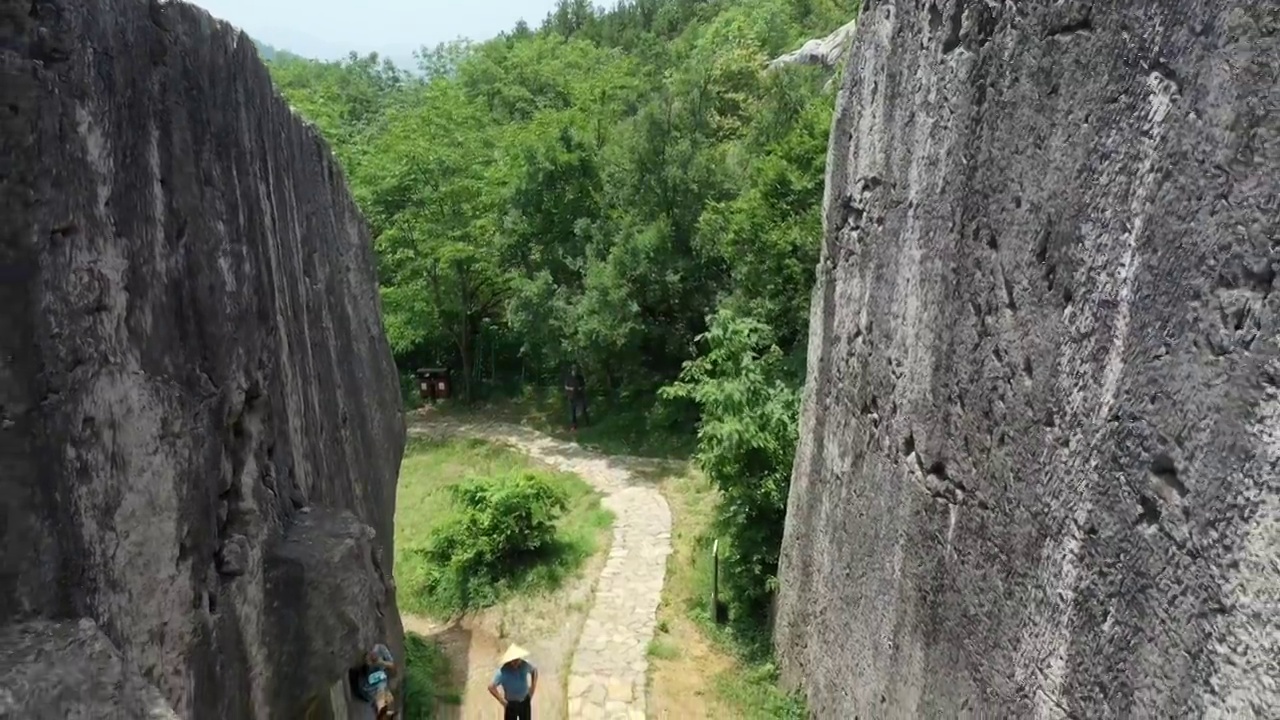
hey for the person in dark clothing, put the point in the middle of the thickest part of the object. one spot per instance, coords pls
(575, 388)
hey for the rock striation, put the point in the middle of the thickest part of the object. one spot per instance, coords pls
(1040, 435)
(200, 425)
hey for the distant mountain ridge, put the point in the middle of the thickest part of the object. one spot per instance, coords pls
(266, 50)
(270, 52)
(403, 59)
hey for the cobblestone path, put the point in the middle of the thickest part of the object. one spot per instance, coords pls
(607, 677)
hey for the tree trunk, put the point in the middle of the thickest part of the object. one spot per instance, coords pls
(464, 349)
(477, 365)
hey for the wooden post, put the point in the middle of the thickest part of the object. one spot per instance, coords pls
(715, 581)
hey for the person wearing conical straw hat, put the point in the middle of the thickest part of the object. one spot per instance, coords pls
(518, 679)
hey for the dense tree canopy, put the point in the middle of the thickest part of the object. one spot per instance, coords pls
(629, 189)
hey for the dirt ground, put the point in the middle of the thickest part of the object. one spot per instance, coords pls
(681, 681)
(548, 626)
(684, 664)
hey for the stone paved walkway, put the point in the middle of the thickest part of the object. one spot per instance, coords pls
(607, 678)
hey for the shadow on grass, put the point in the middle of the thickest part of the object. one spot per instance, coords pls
(422, 444)
(430, 428)
(638, 427)
(427, 690)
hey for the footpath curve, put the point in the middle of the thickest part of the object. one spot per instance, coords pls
(607, 677)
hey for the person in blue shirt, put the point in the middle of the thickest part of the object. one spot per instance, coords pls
(518, 679)
(375, 681)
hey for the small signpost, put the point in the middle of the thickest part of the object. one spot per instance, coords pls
(433, 384)
(717, 610)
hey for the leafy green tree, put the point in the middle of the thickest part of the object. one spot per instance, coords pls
(746, 442)
(444, 59)
(434, 207)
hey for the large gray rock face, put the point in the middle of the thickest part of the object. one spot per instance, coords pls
(1041, 428)
(199, 415)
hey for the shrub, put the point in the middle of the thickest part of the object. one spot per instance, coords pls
(504, 527)
(756, 684)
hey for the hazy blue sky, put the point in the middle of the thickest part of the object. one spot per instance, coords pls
(329, 28)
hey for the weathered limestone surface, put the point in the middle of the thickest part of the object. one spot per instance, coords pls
(1041, 428)
(199, 415)
(91, 682)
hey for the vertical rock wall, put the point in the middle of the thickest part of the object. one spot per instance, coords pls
(1039, 473)
(199, 415)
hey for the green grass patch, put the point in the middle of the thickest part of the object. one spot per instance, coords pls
(754, 688)
(663, 649)
(426, 679)
(478, 522)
